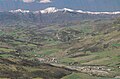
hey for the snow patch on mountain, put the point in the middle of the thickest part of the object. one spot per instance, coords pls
(49, 10)
(19, 10)
(67, 9)
(109, 13)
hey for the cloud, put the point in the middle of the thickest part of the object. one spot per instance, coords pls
(45, 1)
(40, 1)
(28, 1)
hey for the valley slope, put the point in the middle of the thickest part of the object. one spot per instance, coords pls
(60, 45)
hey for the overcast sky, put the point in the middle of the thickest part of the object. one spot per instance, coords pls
(87, 5)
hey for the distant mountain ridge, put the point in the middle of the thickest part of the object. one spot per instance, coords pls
(51, 15)
(53, 10)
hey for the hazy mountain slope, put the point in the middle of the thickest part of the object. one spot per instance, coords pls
(26, 18)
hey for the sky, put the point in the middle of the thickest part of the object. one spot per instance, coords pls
(85, 5)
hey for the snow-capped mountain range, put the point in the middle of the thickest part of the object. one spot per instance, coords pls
(54, 10)
(52, 15)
